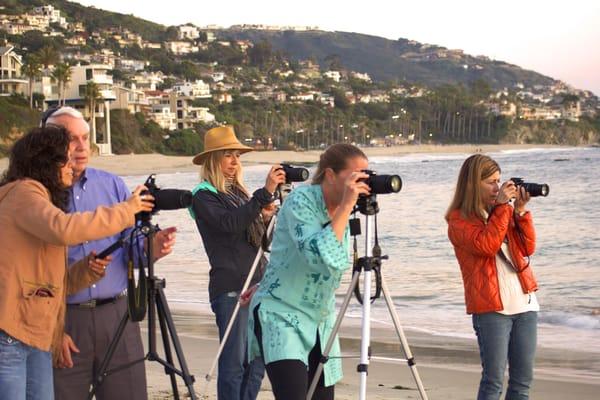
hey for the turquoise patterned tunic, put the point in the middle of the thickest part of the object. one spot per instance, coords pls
(297, 292)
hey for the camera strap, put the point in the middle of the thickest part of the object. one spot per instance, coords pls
(372, 263)
(522, 245)
(136, 295)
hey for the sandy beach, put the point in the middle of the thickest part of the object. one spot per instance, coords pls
(449, 367)
(141, 164)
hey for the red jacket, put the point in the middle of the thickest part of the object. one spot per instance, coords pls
(476, 245)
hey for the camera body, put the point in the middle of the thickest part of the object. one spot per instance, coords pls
(534, 189)
(294, 174)
(167, 199)
(382, 184)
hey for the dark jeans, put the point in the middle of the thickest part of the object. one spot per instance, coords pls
(237, 379)
(25, 372)
(290, 379)
(503, 338)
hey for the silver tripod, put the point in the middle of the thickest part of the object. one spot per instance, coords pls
(370, 263)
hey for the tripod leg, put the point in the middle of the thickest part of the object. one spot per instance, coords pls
(102, 371)
(365, 340)
(233, 317)
(168, 319)
(402, 337)
(336, 328)
(167, 346)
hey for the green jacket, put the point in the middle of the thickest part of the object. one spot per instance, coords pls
(297, 293)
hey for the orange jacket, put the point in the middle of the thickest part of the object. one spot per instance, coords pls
(476, 245)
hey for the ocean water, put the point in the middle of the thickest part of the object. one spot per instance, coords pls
(422, 272)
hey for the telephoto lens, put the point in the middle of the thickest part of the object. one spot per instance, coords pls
(383, 184)
(167, 199)
(294, 174)
(534, 189)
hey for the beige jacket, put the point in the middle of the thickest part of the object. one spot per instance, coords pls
(34, 235)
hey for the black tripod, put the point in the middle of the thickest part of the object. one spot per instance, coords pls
(150, 290)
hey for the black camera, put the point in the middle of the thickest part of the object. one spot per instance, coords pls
(167, 199)
(294, 174)
(534, 189)
(382, 184)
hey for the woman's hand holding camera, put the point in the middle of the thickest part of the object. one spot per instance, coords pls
(275, 178)
(508, 191)
(521, 199)
(141, 202)
(354, 186)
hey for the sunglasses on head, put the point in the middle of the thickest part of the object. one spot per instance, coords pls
(48, 113)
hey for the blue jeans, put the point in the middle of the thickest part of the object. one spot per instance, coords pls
(502, 339)
(237, 380)
(25, 372)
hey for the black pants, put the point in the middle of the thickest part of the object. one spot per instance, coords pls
(289, 378)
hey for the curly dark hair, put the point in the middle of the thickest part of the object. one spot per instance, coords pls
(40, 155)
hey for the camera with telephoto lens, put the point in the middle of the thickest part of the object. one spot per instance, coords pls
(167, 199)
(294, 174)
(534, 189)
(382, 184)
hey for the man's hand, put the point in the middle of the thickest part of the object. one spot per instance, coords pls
(64, 358)
(164, 240)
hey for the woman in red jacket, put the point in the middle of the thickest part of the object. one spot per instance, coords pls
(493, 241)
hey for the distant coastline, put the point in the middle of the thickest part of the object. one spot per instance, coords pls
(139, 164)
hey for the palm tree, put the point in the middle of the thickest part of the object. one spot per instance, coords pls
(62, 75)
(91, 96)
(32, 69)
(47, 55)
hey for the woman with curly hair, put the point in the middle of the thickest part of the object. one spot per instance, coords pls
(34, 279)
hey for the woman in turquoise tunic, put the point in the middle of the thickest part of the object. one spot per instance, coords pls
(293, 310)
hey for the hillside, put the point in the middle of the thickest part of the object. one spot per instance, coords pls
(382, 59)
(389, 60)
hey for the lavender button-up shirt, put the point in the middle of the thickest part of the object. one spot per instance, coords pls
(99, 188)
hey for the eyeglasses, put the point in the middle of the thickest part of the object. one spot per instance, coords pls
(47, 114)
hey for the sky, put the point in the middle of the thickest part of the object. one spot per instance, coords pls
(560, 39)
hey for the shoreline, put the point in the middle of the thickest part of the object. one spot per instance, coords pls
(449, 367)
(140, 164)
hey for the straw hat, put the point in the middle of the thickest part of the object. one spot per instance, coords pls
(220, 138)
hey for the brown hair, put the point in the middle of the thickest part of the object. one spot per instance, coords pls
(335, 157)
(467, 196)
(40, 155)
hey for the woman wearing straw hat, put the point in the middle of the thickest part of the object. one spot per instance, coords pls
(232, 224)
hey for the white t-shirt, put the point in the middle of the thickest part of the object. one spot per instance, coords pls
(511, 293)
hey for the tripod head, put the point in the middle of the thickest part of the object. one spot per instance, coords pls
(367, 205)
(372, 260)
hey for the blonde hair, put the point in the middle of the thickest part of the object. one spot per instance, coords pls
(212, 173)
(467, 196)
(335, 157)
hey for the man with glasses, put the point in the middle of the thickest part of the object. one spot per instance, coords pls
(94, 313)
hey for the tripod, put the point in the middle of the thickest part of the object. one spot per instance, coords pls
(151, 292)
(369, 264)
